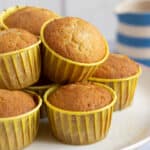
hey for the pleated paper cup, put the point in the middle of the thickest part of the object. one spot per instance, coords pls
(124, 88)
(20, 131)
(6, 13)
(63, 70)
(21, 68)
(41, 90)
(79, 127)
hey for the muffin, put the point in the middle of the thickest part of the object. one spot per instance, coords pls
(80, 97)
(117, 66)
(15, 39)
(20, 60)
(74, 45)
(120, 73)
(14, 103)
(75, 39)
(83, 110)
(19, 119)
(28, 18)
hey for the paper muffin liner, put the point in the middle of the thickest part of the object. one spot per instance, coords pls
(41, 90)
(20, 131)
(60, 69)
(7, 12)
(124, 88)
(21, 68)
(79, 127)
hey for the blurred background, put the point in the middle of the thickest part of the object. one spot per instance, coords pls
(98, 12)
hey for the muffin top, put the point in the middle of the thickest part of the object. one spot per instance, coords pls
(117, 66)
(75, 39)
(29, 18)
(80, 97)
(14, 103)
(15, 39)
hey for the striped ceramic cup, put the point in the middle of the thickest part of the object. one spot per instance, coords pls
(133, 36)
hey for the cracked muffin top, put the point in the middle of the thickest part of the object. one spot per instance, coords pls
(75, 39)
(14, 103)
(15, 39)
(117, 66)
(29, 18)
(80, 97)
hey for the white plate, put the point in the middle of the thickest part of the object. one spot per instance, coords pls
(130, 127)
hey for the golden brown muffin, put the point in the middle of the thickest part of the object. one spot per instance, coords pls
(15, 39)
(80, 97)
(14, 103)
(29, 18)
(75, 39)
(117, 66)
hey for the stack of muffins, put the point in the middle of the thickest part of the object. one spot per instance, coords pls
(83, 82)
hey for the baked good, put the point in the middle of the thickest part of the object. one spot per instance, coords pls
(14, 103)
(14, 39)
(75, 39)
(79, 111)
(29, 18)
(80, 97)
(117, 66)
(121, 74)
(20, 61)
(74, 47)
(19, 119)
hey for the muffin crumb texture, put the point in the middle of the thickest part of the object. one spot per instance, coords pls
(117, 66)
(15, 39)
(14, 103)
(80, 97)
(75, 39)
(29, 18)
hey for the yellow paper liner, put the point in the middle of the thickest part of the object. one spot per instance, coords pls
(41, 90)
(79, 127)
(124, 88)
(20, 68)
(64, 70)
(20, 131)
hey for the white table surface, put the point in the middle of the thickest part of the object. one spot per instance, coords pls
(147, 145)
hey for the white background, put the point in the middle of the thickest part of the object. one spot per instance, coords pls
(99, 12)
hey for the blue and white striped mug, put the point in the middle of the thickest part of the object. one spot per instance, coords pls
(133, 35)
